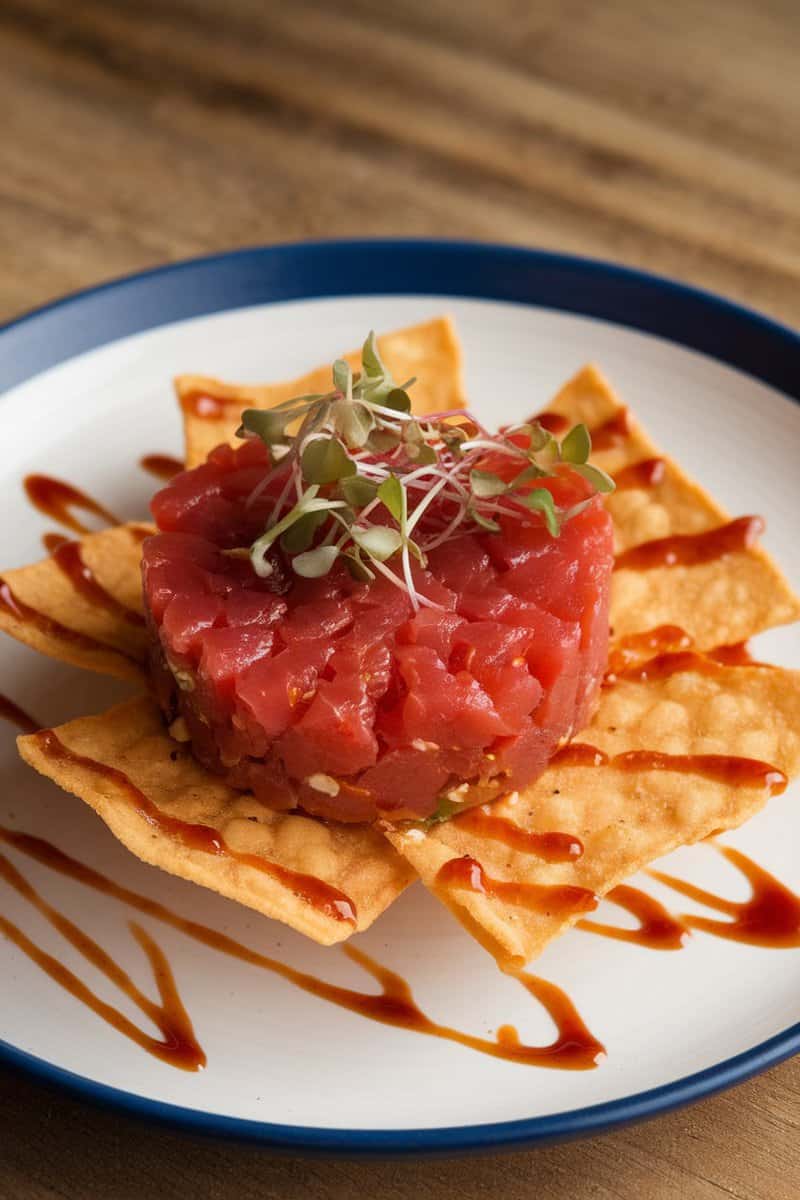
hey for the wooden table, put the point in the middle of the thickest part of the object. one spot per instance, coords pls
(658, 133)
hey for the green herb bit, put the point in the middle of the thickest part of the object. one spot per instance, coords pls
(577, 445)
(325, 460)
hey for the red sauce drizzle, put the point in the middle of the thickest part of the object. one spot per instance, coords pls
(203, 404)
(11, 712)
(640, 646)
(10, 604)
(52, 541)
(57, 499)
(580, 754)
(729, 769)
(657, 928)
(553, 422)
(666, 650)
(665, 665)
(737, 655)
(163, 466)
(320, 895)
(69, 559)
(770, 918)
(648, 473)
(177, 1046)
(689, 549)
(612, 432)
(551, 847)
(554, 899)
(574, 1047)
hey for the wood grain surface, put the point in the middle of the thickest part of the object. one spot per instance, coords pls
(662, 133)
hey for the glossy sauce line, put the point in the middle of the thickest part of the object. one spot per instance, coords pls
(57, 500)
(204, 404)
(68, 558)
(163, 466)
(467, 873)
(658, 929)
(691, 549)
(49, 627)
(652, 649)
(320, 895)
(637, 647)
(725, 768)
(550, 847)
(553, 422)
(613, 432)
(648, 473)
(14, 715)
(574, 1047)
(606, 436)
(769, 918)
(53, 541)
(178, 1045)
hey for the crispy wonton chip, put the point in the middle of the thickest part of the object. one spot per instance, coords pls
(723, 601)
(625, 818)
(148, 789)
(212, 409)
(89, 610)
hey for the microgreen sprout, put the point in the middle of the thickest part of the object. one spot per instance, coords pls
(361, 474)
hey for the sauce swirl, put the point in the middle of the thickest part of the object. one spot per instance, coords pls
(690, 549)
(315, 892)
(554, 899)
(657, 928)
(57, 500)
(177, 1046)
(573, 1048)
(769, 918)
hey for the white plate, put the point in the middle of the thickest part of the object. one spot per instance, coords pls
(284, 1066)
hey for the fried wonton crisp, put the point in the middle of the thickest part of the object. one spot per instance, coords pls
(429, 351)
(83, 605)
(326, 881)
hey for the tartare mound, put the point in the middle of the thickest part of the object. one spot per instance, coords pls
(347, 698)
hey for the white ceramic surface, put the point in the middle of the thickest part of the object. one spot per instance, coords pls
(274, 1053)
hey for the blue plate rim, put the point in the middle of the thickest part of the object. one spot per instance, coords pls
(700, 320)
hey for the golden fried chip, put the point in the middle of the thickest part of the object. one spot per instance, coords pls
(724, 600)
(212, 410)
(624, 811)
(83, 605)
(326, 881)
